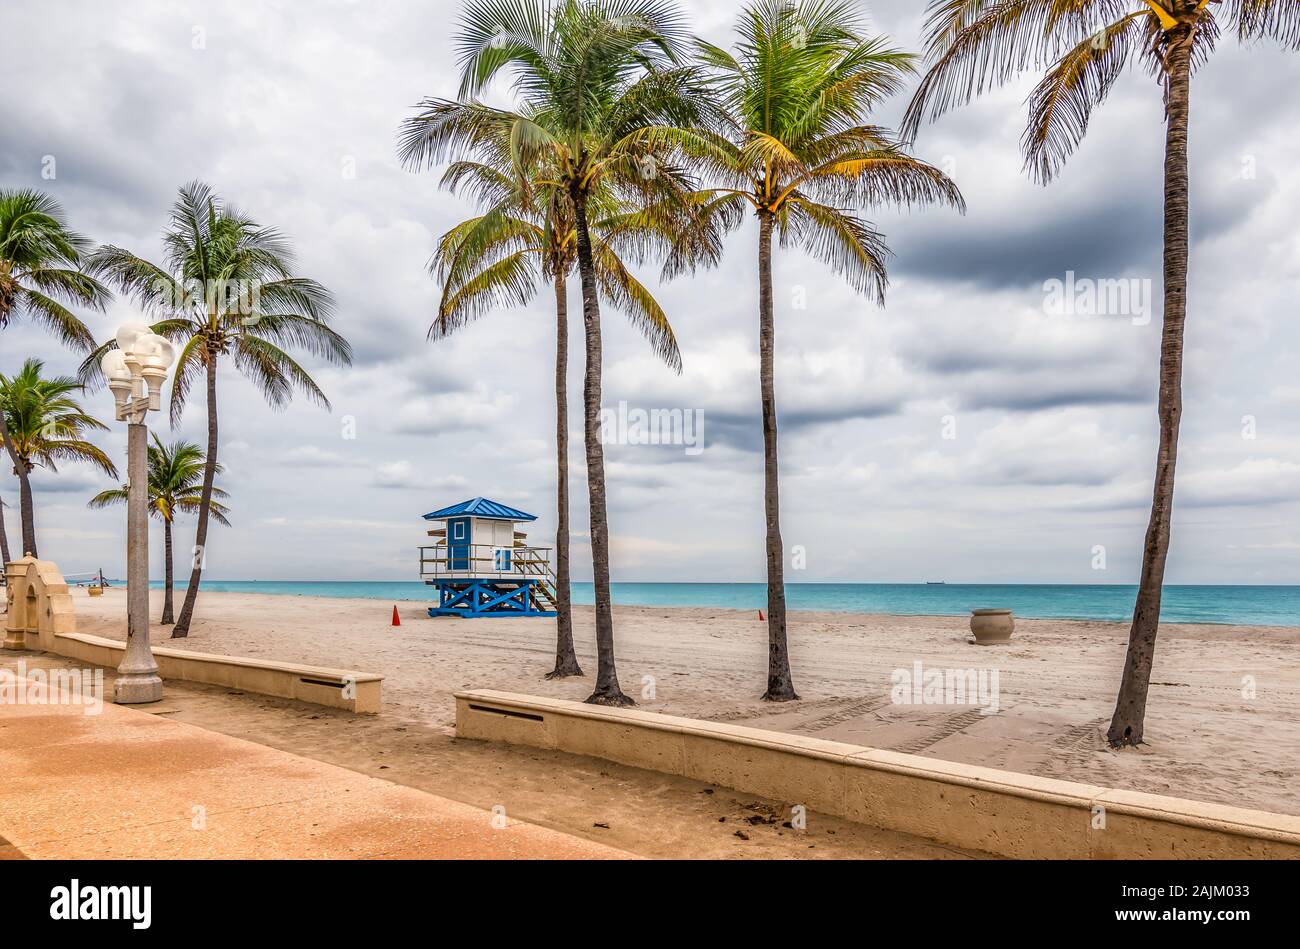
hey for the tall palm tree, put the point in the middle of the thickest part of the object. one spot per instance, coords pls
(494, 259)
(226, 289)
(589, 74)
(39, 273)
(789, 140)
(175, 484)
(45, 425)
(1084, 46)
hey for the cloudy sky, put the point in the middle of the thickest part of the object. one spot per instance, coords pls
(965, 432)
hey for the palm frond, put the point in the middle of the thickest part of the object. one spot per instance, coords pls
(848, 245)
(108, 498)
(74, 449)
(274, 372)
(41, 271)
(216, 510)
(190, 362)
(977, 45)
(511, 281)
(442, 127)
(1277, 20)
(61, 322)
(74, 285)
(1060, 105)
(624, 292)
(885, 176)
(45, 423)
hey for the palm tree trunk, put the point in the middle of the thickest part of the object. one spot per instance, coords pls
(169, 576)
(4, 535)
(25, 508)
(566, 660)
(607, 691)
(780, 685)
(1130, 708)
(182, 627)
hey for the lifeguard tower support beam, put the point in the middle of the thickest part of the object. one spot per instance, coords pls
(483, 566)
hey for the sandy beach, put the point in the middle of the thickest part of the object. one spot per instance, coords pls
(1223, 722)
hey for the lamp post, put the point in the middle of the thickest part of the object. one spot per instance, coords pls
(135, 372)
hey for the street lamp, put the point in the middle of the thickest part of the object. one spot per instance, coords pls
(136, 371)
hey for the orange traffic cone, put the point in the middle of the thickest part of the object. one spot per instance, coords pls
(397, 620)
(760, 616)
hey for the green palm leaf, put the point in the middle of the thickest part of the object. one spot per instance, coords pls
(175, 479)
(44, 424)
(40, 268)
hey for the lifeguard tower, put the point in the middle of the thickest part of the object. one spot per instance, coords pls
(483, 566)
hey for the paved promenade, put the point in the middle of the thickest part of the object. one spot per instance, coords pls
(124, 783)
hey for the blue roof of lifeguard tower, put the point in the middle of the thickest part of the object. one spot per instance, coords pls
(481, 507)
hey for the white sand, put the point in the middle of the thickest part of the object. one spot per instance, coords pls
(1057, 681)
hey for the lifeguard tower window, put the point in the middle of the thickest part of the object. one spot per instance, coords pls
(502, 558)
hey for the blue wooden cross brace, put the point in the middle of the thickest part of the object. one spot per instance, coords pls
(477, 597)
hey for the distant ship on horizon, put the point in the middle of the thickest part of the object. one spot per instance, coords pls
(936, 583)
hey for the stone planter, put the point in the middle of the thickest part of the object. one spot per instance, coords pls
(991, 626)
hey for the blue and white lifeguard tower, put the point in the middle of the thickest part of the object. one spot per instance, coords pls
(483, 566)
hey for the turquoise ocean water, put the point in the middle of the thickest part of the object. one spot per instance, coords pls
(1239, 605)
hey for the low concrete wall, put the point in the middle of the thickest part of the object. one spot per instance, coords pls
(41, 616)
(1001, 812)
(337, 688)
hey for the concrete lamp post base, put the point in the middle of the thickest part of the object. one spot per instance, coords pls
(137, 688)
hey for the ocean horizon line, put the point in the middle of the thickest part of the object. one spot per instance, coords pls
(1218, 604)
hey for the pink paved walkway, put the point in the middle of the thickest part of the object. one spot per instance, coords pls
(128, 784)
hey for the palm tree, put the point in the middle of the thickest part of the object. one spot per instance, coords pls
(789, 141)
(1084, 46)
(493, 260)
(39, 272)
(226, 289)
(589, 74)
(44, 426)
(175, 484)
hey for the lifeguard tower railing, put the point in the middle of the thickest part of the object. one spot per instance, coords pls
(456, 567)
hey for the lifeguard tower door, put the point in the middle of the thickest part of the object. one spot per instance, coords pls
(458, 541)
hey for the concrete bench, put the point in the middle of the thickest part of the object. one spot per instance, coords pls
(976, 808)
(40, 615)
(337, 688)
